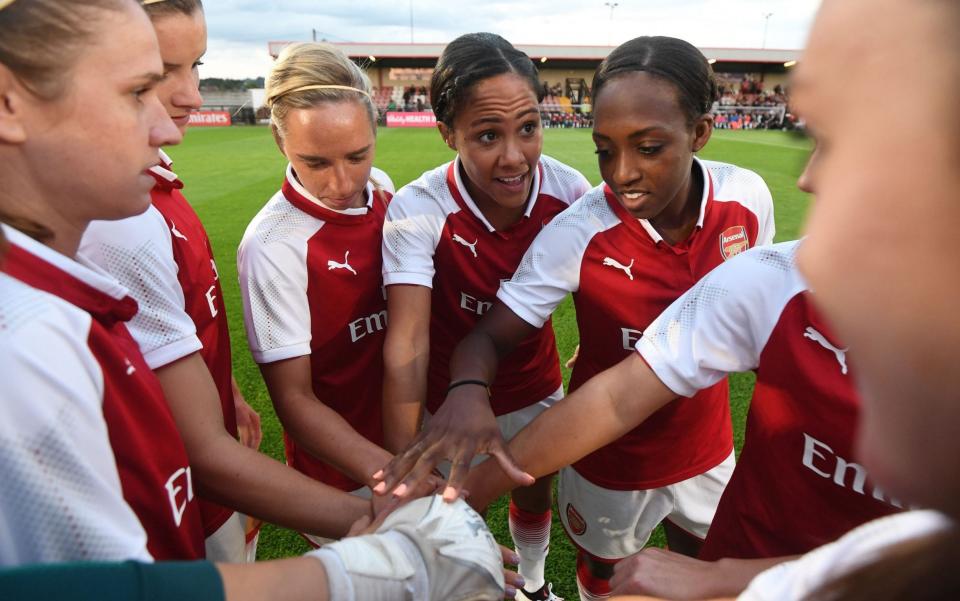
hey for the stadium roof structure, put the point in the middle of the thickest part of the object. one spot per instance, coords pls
(552, 56)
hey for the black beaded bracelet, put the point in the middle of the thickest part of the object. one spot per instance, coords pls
(465, 382)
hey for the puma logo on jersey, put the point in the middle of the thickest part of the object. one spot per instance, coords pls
(472, 246)
(130, 368)
(618, 265)
(177, 233)
(331, 264)
(841, 353)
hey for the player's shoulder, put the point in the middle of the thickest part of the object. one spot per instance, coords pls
(561, 180)
(733, 181)
(278, 223)
(429, 194)
(382, 180)
(589, 213)
(26, 310)
(148, 229)
(42, 336)
(761, 271)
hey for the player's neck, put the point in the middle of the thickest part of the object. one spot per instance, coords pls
(679, 218)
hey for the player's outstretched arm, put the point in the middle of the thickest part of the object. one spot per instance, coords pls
(229, 473)
(602, 410)
(662, 573)
(406, 357)
(465, 424)
(316, 427)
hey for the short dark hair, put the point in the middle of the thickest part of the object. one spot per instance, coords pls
(472, 58)
(670, 59)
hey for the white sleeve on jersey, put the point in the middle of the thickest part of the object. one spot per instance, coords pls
(272, 266)
(138, 252)
(798, 579)
(748, 189)
(562, 181)
(550, 269)
(383, 180)
(722, 324)
(411, 231)
(61, 498)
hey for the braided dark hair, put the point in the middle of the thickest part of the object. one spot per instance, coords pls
(472, 58)
(670, 59)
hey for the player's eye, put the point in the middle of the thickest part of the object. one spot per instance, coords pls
(530, 127)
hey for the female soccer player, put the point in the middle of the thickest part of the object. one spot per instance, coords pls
(452, 236)
(908, 437)
(93, 466)
(164, 257)
(77, 93)
(626, 250)
(310, 269)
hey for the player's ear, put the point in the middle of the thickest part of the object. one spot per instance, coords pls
(447, 134)
(702, 130)
(13, 103)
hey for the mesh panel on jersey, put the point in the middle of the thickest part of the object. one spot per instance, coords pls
(18, 309)
(773, 257)
(47, 493)
(684, 318)
(280, 220)
(271, 332)
(558, 176)
(527, 270)
(139, 270)
(730, 175)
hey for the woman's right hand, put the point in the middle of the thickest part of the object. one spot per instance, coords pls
(464, 427)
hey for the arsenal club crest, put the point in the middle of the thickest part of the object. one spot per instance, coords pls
(575, 521)
(733, 241)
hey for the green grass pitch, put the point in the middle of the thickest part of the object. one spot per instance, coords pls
(230, 173)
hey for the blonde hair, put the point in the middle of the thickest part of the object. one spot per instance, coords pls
(309, 74)
(41, 39)
(160, 8)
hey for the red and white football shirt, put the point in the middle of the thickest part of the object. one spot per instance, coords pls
(623, 275)
(61, 498)
(435, 236)
(311, 285)
(796, 485)
(164, 258)
(150, 457)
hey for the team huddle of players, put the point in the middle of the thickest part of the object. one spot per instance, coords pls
(141, 447)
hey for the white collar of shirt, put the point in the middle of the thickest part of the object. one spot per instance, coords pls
(531, 201)
(83, 270)
(292, 178)
(163, 170)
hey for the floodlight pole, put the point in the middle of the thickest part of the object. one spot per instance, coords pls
(411, 21)
(612, 6)
(766, 22)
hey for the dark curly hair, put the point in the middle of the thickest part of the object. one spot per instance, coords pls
(472, 58)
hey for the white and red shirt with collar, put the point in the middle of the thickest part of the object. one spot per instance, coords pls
(311, 285)
(435, 236)
(165, 259)
(623, 275)
(796, 485)
(150, 457)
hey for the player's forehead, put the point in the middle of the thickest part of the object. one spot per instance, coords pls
(498, 97)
